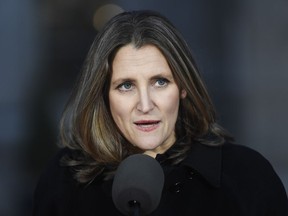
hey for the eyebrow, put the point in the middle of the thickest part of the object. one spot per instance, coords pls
(121, 80)
(162, 75)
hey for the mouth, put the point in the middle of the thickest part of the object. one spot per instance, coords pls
(147, 125)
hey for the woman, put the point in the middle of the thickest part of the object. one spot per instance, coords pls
(140, 92)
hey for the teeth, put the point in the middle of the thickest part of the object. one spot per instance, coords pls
(146, 125)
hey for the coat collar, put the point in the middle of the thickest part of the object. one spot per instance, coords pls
(206, 160)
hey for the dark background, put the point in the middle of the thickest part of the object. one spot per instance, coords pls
(241, 47)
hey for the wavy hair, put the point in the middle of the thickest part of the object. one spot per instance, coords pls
(87, 125)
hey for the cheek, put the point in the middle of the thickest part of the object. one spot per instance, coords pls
(118, 108)
(173, 111)
(171, 105)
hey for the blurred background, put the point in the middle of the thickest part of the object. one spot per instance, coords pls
(241, 47)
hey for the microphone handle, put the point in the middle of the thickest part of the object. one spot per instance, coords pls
(135, 208)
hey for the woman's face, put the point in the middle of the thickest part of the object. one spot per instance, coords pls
(144, 98)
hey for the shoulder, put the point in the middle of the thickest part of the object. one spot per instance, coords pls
(245, 162)
(56, 184)
(243, 156)
(249, 175)
(54, 168)
(239, 159)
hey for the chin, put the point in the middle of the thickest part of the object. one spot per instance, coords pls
(147, 146)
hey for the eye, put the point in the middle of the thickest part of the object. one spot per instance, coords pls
(161, 82)
(126, 86)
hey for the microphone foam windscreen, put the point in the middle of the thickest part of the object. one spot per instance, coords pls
(138, 178)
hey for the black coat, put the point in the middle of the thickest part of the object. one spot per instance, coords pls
(228, 180)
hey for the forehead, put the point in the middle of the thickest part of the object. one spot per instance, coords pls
(144, 59)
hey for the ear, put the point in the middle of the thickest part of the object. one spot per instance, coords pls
(183, 94)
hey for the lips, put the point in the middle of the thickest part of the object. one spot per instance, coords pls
(147, 125)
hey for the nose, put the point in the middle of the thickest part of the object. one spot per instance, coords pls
(145, 103)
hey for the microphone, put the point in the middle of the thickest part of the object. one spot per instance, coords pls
(138, 185)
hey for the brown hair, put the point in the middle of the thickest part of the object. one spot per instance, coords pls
(87, 125)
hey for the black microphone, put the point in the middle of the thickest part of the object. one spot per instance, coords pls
(138, 185)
